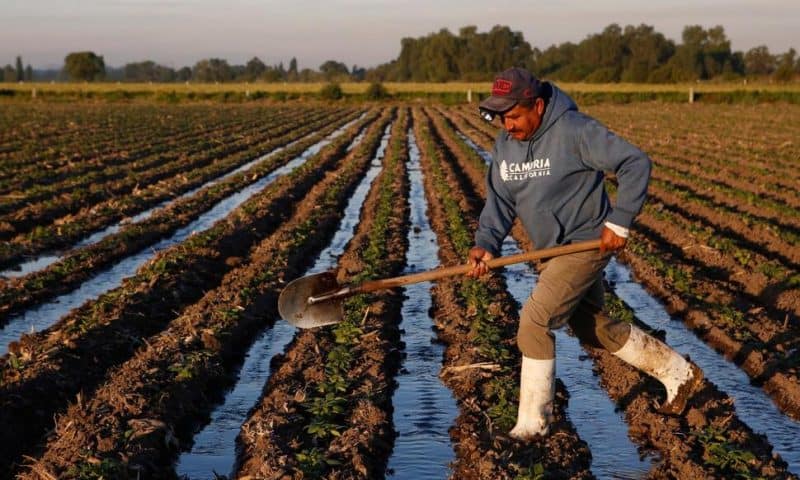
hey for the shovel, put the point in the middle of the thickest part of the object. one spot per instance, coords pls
(316, 300)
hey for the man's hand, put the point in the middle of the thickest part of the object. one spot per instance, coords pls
(478, 257)
(610, 241)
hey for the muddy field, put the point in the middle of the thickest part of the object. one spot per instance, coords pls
(144, 247)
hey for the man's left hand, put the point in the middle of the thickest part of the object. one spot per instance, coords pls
(610, 241)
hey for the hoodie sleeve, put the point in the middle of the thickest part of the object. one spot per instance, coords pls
(498, 213)
(603, 150)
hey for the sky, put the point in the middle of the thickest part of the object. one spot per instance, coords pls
(357, 32)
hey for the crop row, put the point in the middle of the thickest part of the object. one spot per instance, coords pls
(733, 266)
(325, 411)
(147, 185)
(64, 233)
(113, 134)
(743, 202)
(178, 375)
(729, 447)
(30, 189)
(44, 371)
(719, 166)
(759, 137)
(79, 264)
(121, 144)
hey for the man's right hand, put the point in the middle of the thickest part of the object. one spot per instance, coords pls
(478, 257)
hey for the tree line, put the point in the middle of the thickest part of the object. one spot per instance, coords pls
(617, 54)
(17, 73)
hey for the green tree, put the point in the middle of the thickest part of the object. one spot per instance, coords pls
(84, 66)
(292, 73)
(704, 54)
(20, 70)
(212, 70)
(184, 74)
(358, 73)
(254, 69)
(331, 91)
(147, 71)
(786, 68)
(646, 50)
(376, 91)
(9, 74)
(334, 71)
(28, 73)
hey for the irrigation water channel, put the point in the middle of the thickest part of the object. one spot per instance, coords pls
(214, 449)
(48, 313)
(424, 409)
(753, 405)
(40, 262)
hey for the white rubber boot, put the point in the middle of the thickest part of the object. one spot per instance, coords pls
(679, 376)
(536, 391)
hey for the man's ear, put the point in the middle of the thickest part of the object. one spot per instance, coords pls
(538, 104)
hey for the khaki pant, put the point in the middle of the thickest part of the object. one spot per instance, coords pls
(569, 290)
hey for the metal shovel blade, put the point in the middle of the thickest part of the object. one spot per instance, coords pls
(293, 303)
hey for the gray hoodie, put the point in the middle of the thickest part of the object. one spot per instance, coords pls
(554, 181)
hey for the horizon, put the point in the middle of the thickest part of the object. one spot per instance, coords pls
(354, 32)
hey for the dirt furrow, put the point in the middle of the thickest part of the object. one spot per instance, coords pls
(735, 270)
(151, 132)
(781, 246)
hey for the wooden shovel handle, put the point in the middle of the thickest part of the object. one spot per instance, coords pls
(372, 285)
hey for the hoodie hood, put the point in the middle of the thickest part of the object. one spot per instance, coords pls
(558, 104)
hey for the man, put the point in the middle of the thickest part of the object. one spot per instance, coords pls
(548, 168)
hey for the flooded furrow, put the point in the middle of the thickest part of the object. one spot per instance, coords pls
(424, 408)
(48, 313)
(593, 413)
(486, 156)
(753, 406)
(214, 448)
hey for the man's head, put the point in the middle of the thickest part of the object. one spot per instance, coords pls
(516, 98)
